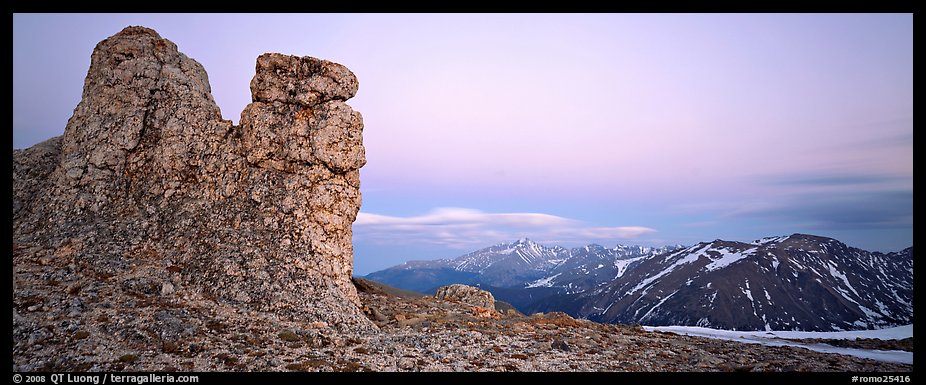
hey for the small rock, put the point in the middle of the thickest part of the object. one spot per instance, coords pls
(407, 363)
(38, 336)
(128, 358)
(167, 289)
(169, 347)
(560, 344)
(76, 307)
(410, 322)
(289, 336)
(377, 315)
(482, 312)
(74, 288)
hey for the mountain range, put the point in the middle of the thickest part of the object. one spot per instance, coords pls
(796, 282)
(523, 264)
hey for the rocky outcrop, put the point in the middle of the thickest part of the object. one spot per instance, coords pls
(466, 294)
(150, 191)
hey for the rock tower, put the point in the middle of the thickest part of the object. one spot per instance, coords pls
(149, 189)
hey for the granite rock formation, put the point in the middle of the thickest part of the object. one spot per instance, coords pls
(149, 190)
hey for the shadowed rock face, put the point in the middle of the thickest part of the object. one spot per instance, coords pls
(149, 183)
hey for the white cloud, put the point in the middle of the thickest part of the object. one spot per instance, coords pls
(456, 216)
(466, 228)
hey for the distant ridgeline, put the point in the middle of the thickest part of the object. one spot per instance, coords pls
(797, 282)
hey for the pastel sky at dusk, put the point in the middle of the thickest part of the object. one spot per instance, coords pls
(568, 129)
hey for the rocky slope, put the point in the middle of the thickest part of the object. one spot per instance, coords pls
(416, 333)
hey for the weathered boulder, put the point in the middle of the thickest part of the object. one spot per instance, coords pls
(149, 182)
(466, 294)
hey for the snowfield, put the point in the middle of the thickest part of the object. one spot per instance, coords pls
(777, 338)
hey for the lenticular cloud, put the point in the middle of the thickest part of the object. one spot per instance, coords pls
(464, 227)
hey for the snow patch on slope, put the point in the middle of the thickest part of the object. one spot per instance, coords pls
(662, 301)
(622, 264)
(769, 240)
(777, 338)
(727, 257)
(543, 282)
(687, 259)
(835, 273)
